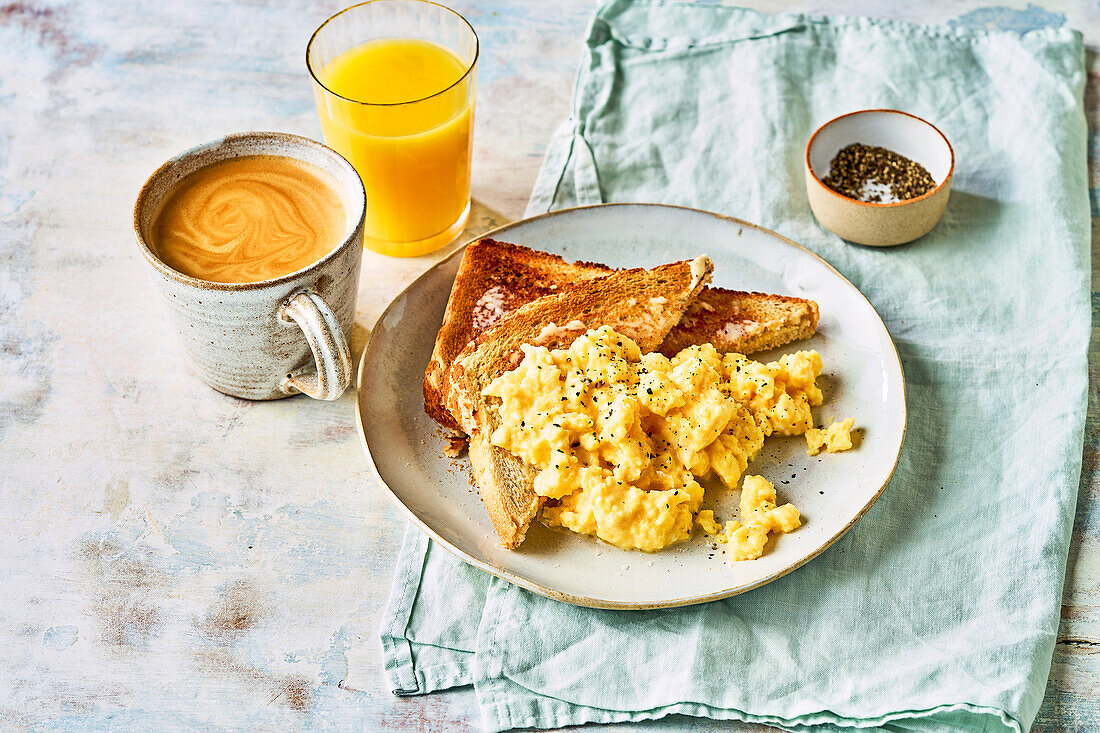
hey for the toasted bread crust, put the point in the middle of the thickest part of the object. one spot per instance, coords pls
(495, 278)
(511, 508)
(641, 304)
(744, 322)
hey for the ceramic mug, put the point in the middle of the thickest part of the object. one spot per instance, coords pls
(273, 338)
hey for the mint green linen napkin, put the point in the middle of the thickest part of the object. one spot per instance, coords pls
(938, 611)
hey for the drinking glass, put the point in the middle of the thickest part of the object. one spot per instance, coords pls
(394, 82)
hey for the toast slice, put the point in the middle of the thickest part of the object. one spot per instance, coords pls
(504, 483)
(641, 304)
(743, 322)
(494, 279)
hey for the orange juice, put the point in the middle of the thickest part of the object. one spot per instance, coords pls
(401, 111)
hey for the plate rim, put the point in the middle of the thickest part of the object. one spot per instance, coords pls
(587, 601)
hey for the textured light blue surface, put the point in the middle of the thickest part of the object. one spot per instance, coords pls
(107, 439)
(919, 619)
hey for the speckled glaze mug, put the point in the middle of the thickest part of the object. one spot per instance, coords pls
(273, 338)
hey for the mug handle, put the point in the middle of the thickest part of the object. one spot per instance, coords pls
(326, 340)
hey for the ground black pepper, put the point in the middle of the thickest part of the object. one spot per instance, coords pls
(857, 165)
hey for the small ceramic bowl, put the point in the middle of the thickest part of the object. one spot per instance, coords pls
(872, 223)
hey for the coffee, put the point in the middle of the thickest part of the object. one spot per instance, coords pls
(249, 219)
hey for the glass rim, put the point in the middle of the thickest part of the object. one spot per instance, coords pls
(466, 73)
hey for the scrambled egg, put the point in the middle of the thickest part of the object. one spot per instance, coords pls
(759, 516)
(620, 438)
(835, 438)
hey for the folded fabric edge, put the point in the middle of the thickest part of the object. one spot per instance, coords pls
(404, 676)
(436, 679)
(552, 169)
(499, 713)
(506, 703)
(560, 150)
(566, 146)
(396, 650)
(612, 13)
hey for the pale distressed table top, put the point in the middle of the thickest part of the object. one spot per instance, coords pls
(172, 558)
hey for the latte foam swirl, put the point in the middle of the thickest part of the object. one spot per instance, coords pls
(249, 219)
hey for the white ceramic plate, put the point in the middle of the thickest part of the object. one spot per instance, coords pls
(862, 379)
